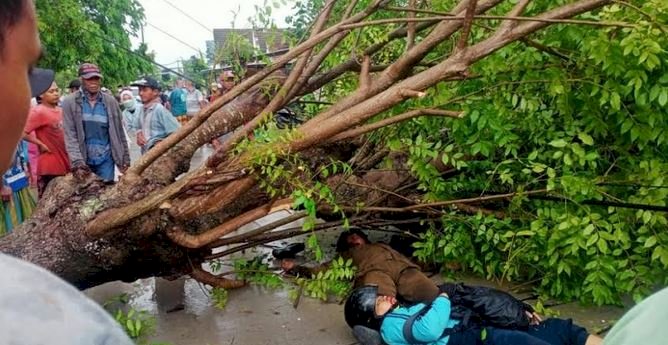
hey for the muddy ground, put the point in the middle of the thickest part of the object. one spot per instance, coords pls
(184, 313)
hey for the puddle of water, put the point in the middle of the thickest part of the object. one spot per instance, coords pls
(252, 316)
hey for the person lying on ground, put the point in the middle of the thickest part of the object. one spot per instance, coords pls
(435, 323)
(377, 264)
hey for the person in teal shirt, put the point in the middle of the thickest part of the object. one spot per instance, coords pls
(435, 324)
(177, 103)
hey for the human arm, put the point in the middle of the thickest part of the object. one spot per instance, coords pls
(168, 121)
(289, 266)
(432, 324)
(33, 139)
(35, 120)
(201, 99)
(123, 140)
(71, 138)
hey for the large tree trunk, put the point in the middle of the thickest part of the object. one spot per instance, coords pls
(161, 220)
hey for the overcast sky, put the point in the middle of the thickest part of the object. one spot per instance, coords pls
(160, 15)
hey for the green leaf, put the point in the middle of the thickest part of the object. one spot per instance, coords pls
(588, 230)
(558, 143)
(650, 242)
(626, 126)
(663, 97)
(591, 240)
(602, 246)
(615, 101)
(586, 138)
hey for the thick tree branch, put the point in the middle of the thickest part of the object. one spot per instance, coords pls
(182, 238)
(196, 121)
(317, 60)
(279, 100)
(207, 278)
(423, 207)
(259, 231)
(392, 120)
(410, 27)
(365, 77)
(468, 23)
(485, 17)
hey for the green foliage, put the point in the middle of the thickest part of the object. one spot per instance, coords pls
(588, 127)
(195, 68)
(582, 113)
(219, 297)
(138, 324)
(98, 31)
(257, 272)
(335, 281)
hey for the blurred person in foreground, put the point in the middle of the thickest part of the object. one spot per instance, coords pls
(36, 307)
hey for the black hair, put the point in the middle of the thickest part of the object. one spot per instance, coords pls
(342, 242)
(11, 12)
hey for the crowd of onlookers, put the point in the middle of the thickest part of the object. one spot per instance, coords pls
(88, 130)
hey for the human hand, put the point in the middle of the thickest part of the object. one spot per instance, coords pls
(44, 149)
(81, 172)
(288, 264)
(6, 193)
(141, 139)
(534, 318)
(123, 169)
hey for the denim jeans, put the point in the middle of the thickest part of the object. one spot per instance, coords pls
(549, 332)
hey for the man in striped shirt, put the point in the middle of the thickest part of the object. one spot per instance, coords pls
(94, 135)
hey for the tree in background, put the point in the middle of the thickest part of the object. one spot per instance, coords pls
(196, 69)
(98, 31)
(525, 140)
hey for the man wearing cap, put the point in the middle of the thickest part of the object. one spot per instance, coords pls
(94, 135)
(227, 81)
(74, 86)
(155, 123)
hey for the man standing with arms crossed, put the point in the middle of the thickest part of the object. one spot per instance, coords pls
(93, 123)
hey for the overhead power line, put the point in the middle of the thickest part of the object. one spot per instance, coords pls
(175, 38)
(144, 57)
(189, 16)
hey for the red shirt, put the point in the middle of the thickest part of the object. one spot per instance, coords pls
(47, 123)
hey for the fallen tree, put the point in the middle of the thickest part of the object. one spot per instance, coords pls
(164, 219)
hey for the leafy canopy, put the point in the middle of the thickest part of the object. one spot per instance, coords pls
(579, 111)
(97, 31)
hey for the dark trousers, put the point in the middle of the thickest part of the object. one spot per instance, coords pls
(549, 332)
